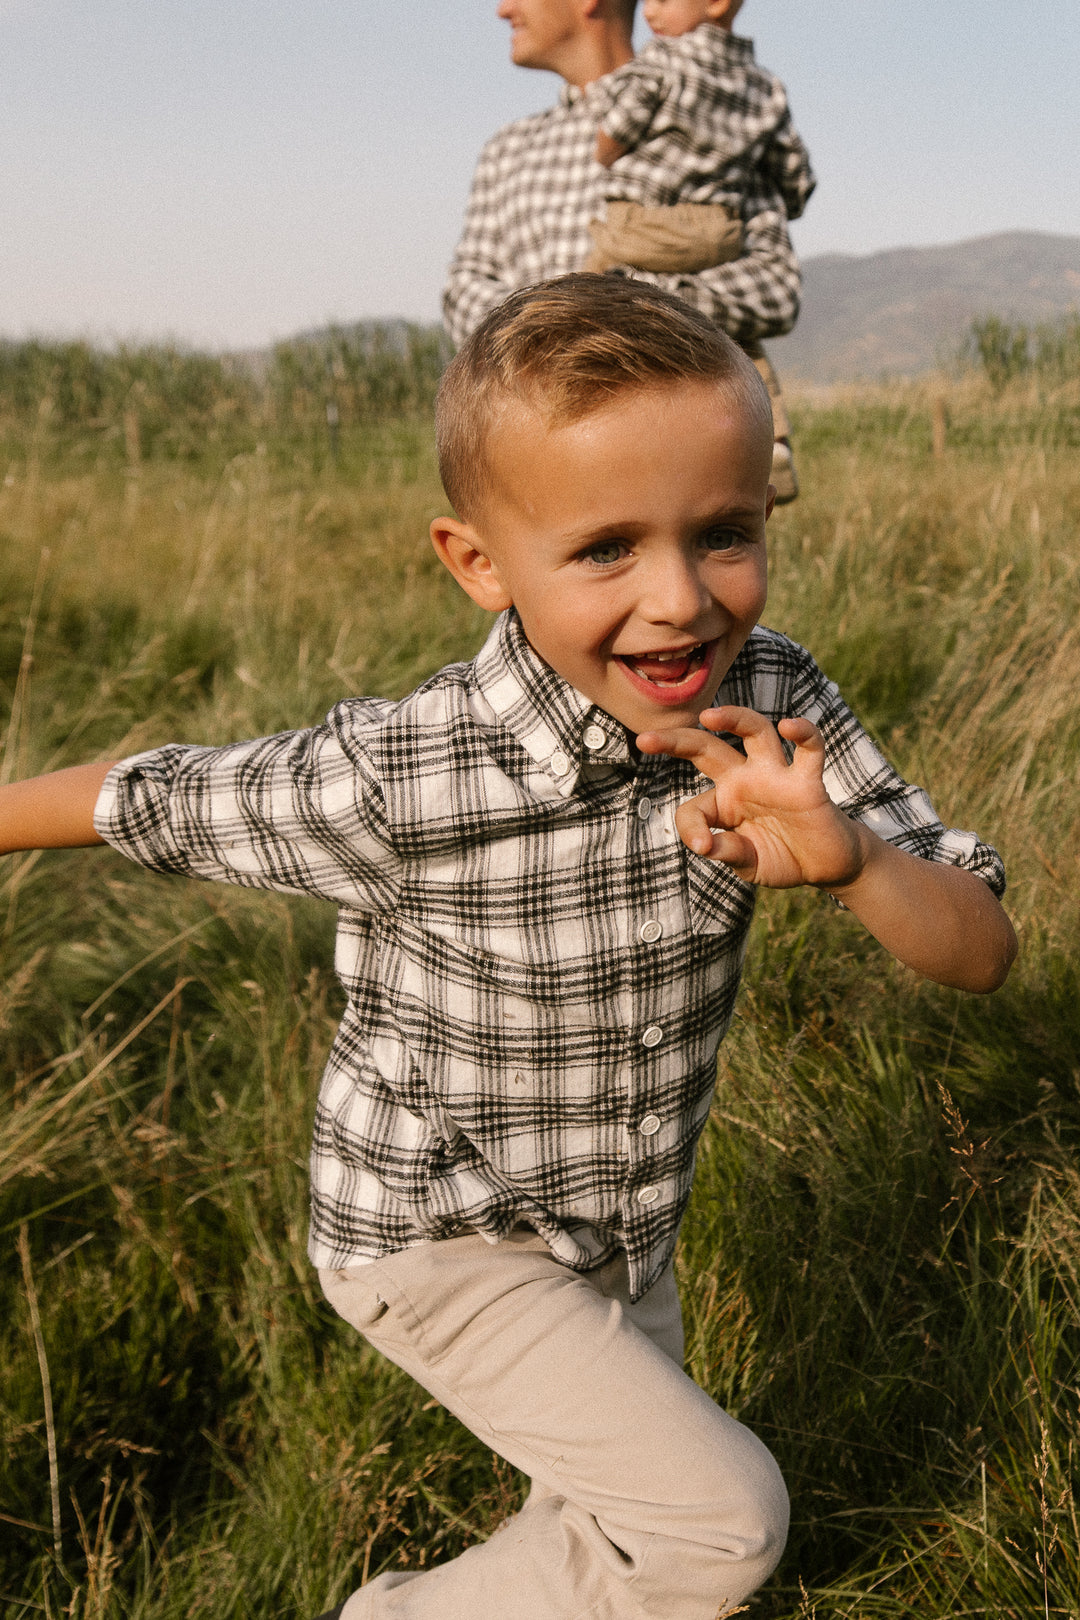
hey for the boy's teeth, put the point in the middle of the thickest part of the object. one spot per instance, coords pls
(666, 657)
(667, 667)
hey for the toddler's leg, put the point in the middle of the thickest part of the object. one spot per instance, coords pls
(783, 468)
(658, 1503)
(679, 239)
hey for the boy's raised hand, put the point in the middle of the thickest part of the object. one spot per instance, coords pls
(771, 821)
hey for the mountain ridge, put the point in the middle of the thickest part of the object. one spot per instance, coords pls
(901, 311)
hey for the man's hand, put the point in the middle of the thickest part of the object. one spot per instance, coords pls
(772, 822)
(608, 149)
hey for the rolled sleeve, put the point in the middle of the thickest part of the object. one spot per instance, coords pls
(861, 782)
(625, 102)
(778, 678)
(296, 813)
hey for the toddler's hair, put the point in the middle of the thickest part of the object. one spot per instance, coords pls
(567, 347)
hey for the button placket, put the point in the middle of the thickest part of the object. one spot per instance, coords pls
(650, 834)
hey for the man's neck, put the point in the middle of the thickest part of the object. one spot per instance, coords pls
(598, 50)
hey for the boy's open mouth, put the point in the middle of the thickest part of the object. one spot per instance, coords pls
(673, 676)
(667, 668)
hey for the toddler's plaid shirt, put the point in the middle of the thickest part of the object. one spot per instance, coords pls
(704, 123)
(538, 973)
(535, 190)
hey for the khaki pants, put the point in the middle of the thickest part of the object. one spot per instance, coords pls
(682, 239)
(763, 366)
(648, 1503)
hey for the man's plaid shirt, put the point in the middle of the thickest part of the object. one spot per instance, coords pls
(538, 973)
(704, 123)
(535, 190)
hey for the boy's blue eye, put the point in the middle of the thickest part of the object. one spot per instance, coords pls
(722, 539)
(605, 551)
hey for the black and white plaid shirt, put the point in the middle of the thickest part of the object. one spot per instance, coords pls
(535, 190)
(538, 973)
(704, 123)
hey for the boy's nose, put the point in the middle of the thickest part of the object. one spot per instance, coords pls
(675, 593)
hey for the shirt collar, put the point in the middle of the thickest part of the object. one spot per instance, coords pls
(714, 41)
(556, 725)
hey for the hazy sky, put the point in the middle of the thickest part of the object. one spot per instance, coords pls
(228, 171)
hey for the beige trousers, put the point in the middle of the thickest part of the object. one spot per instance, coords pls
(648, 1503)
(679, 240)
(764, 368)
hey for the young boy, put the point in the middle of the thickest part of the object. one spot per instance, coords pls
(545, 864)
(690, 130)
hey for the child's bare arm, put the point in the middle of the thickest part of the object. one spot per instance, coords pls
(51, 812)
(608, 150)
(773, 823)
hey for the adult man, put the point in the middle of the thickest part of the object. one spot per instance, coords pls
(537, 186)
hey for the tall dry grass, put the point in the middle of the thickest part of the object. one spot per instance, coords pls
(880, 1265)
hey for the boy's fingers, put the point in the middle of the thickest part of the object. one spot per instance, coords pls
(758, 733)
(809, 744)
(695, 824)
(683, 743)
(761, 737)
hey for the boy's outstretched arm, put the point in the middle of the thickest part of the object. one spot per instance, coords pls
(773, 823)
(51, 812)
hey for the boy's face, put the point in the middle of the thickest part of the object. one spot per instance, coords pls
(670, 18)
(631, 542)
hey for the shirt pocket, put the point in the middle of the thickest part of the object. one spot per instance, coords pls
(719, 902)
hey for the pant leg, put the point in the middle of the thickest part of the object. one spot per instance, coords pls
(658, 1314)
(679, 239)
(764, 367)
(658, 1505)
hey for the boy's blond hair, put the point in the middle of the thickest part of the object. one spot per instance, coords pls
(567, 347)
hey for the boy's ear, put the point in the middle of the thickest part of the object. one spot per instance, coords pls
(459, 546)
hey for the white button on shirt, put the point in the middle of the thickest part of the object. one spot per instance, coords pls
(644, 809)
(594, 737)
(650, 932)
(649, 1125)
(652, 1036)
(648, 1195)
(560, 763)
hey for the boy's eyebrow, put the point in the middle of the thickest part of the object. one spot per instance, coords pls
(632, 526)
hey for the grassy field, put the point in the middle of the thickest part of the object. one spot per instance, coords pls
(881, 1266)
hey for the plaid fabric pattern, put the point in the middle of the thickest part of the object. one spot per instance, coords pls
(704, 123)
(538, 973)
(535, 190)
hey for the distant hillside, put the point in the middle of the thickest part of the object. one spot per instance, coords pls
(906, 310)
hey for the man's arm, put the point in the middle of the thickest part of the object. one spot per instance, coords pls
(479, 279)
(774, 824)
(51, 812)
(752, 297)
